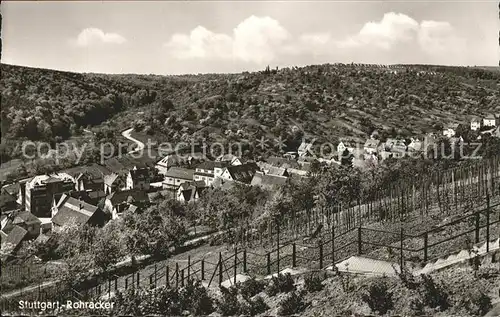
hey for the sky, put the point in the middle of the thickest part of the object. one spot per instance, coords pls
(180, 37)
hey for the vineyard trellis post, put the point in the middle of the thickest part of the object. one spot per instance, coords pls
(220, 268)
(235, 263)
(477, 227)
(167, 276)
(202, 269)
(487, 222)
(294, 255)
(426, 244)
(268, 255)
(320, 245)
(245, 261)
(333, 246)
(278, 244)
(401, 248)
(156, 271)
(359, 241)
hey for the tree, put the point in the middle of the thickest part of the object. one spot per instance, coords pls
(346, 158)
(153, 231)
(107, 247)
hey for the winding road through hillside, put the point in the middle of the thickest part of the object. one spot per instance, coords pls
(127, 135)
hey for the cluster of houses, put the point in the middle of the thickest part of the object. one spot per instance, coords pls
(96, 194)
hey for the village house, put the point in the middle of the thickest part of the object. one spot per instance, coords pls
(12, 241)
(398, 150)
(176, 176)
(118, 202)
(267, 181)
(415, 145)
(179, 160)
(207, 171)
(70, 211)
(475, 124)
(23, 219)
(305, 149)
(91, 180)
(8, 201)
(138, 178)
(39, 191)
(240, 173)
(490, 120)
(450, 130)
(371, 146)
(349, 145)
(191, 191)
(282, 162)
(113, 183)
(230, 159)
(273, 170)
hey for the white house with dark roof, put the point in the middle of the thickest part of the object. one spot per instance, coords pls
(240, 173)
(118, 202)
(230, 158)
(208, 171)
(175, 176)
(179, 160)
(138, 178)
(113, 183)
(190, 191)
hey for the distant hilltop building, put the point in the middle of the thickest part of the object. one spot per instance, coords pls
(490, 121)
(475, 124)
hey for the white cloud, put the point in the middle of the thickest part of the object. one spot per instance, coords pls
(91, 36)
(439, 37)
(396, 29)
(256, 39)
(261, 40)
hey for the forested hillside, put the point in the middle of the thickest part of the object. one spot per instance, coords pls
(327, 102)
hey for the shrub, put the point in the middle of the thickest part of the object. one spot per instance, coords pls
(254, 307)
(251, 287)
(292, 304)
(475, 302)
(283, 283)
(312, 283)
(228, 305)
(194, 298)
(162, 301)
(407, 278)
(378, 297)
(433, 294)
(486, 272)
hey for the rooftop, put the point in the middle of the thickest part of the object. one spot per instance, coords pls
(71, 209)
(179, 172)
